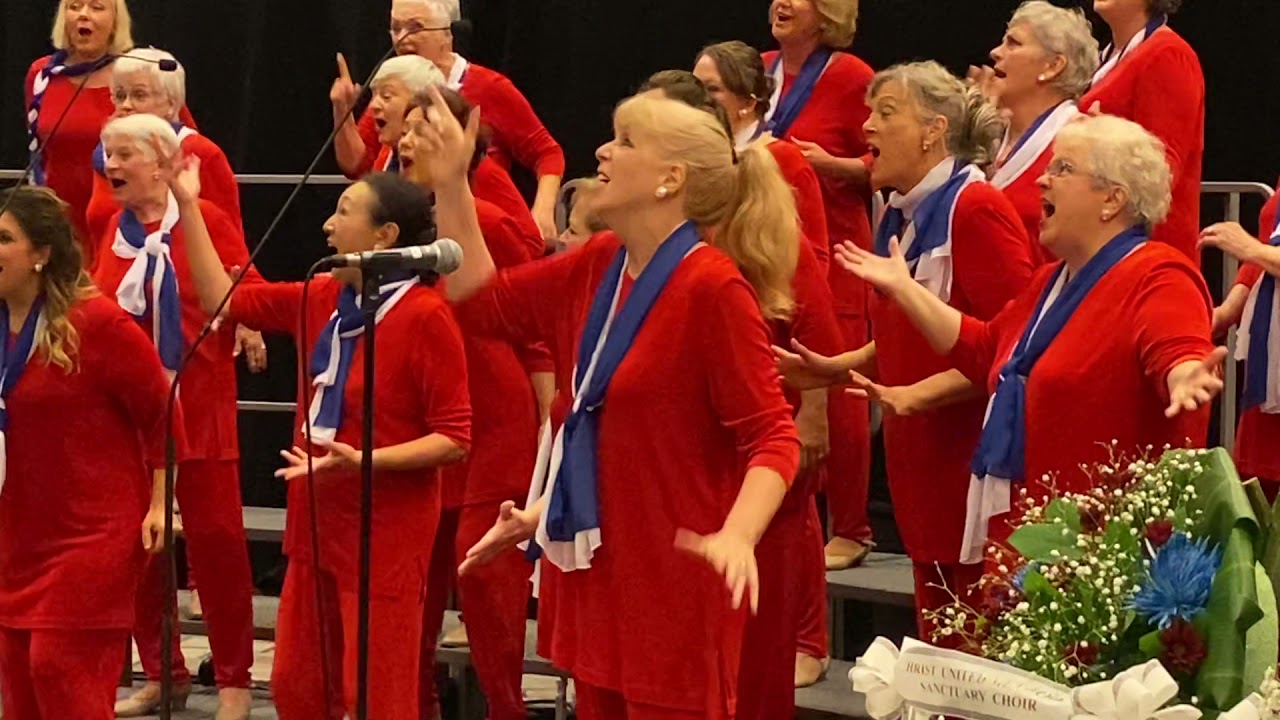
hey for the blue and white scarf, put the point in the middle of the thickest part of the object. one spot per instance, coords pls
(923, 220)
(1109, 58)
(1032, 144)
(150, 285)
(335, 349)
(56, 67)
(1258, 343)
(1001, 456)
(100, 152)
(13, 362)
(783, 111)
(747, 135)
(569, 530)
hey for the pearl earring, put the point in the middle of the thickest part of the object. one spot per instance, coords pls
(925, 146)
(662, 192)
(1040, 78)
(39, 267)
(742, 112)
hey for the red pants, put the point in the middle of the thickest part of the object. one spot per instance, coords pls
(596, 703)
(936, 584)
(60, 674)
(812, 637)
(849, 464)
(297, 682)
(494, 599)
(213, 523)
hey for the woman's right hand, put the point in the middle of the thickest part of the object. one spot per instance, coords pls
(512, 527)
(886, 274)
(895, 399)
(805, 369)
(344, 93)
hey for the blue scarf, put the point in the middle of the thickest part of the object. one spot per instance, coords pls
(393, 164)
(100, 151)
(573, 506)
(931, 218)
(1002, 447)
(1257, 366)
(139, 300)
(346, 325)
(1031, 131)
(792, 103)
(13, 357)
(55, 67)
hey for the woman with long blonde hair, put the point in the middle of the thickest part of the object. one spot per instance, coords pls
(72, 365)
(679, 446)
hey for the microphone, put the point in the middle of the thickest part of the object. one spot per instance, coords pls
(441, 257)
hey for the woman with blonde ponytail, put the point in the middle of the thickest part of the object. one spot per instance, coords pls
(679, 446)
(75, 516)
(930, 132)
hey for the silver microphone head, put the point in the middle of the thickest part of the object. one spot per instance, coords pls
(448, 255)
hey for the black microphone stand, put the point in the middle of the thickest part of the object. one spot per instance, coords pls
(370, 301)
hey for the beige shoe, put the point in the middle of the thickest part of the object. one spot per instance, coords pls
(843, 553)
(455, 638)
(147, 701)
(195, 610)
(233, 704)
(810, 670)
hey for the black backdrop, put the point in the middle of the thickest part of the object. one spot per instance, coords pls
(259, 72)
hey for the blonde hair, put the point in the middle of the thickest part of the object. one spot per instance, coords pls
(120, 42)
(415, 72)
(1123, 154)
(146, 61)
(742, 202)
(839, 22)
(974, 126)
(141, 129)
(1065, 32)
(43, 219)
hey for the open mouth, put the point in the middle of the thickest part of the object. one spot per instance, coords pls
(117, 183)
(999, 73)
(1047, 209)
(602, 178)
(84, 32)
(406, 162)
(874, 150)
(380, 123)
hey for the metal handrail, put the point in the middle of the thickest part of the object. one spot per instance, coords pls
(262, 406)
(247, 179)
(1233, 192)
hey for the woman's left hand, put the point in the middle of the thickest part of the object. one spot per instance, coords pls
(1195, 383)
(733, 557)
(818, 157)
(1230, 238)
(815, 437)
(250, 343)
(341, 456)
(153, 530)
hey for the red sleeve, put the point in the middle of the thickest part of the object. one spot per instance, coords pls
(1249, 275)
(1173, 79)
(992, 256)
(814, 320)
(492, 183)
(507, 247)
(744, 385)
(1171, 311)
(269, 307)
(441, 365)
(140, 384)
(186, 118)
(218, 184)
(978, 344)
(802, 178)
(517, 129)
(372, 146)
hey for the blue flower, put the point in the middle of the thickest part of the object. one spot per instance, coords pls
(1178, 583)
(1020, 577)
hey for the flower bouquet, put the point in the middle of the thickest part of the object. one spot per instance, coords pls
(1153, 588)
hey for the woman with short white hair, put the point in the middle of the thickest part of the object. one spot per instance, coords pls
(1064, 395)
(145, 269)
(1041, 68)
(139, 85)
(424, 28)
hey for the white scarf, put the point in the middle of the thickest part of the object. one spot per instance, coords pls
(458, 73)
(1017, 164)
(132, 292)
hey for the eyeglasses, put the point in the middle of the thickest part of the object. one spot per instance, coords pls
(411, 27)
(1061, 168)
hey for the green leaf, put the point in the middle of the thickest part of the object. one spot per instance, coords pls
(1150, 645)
(1261, 507)
(1118, 534)
(1066, 512)
(1263, 637)
(1037, 542)
(1035, 586)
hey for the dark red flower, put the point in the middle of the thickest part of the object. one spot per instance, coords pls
(1184, 648)
(1081, 654)
(995, 599)
(1159, 532)
(1092, 519)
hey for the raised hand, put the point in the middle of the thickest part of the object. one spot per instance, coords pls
(344, 92)
(449, 146)
(885, 274)
(512, 527)
(1195, 383)
(733, 557)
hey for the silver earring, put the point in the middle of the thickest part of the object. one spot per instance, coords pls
(925, 146)
(39, 267)
(662, 192)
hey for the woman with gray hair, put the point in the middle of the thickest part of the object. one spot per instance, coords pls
(1065, 395)
(1041, 68)
(144, 267)
(139, 85)
(1150, 75)
(965, 247)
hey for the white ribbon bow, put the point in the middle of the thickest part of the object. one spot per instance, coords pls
(132, 292)
(873, 676)
(1250, 708)
(1138, 693)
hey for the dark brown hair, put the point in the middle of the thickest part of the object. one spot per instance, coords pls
(461, 109)
(1163, 7)
(742, 72)
(685, 87)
